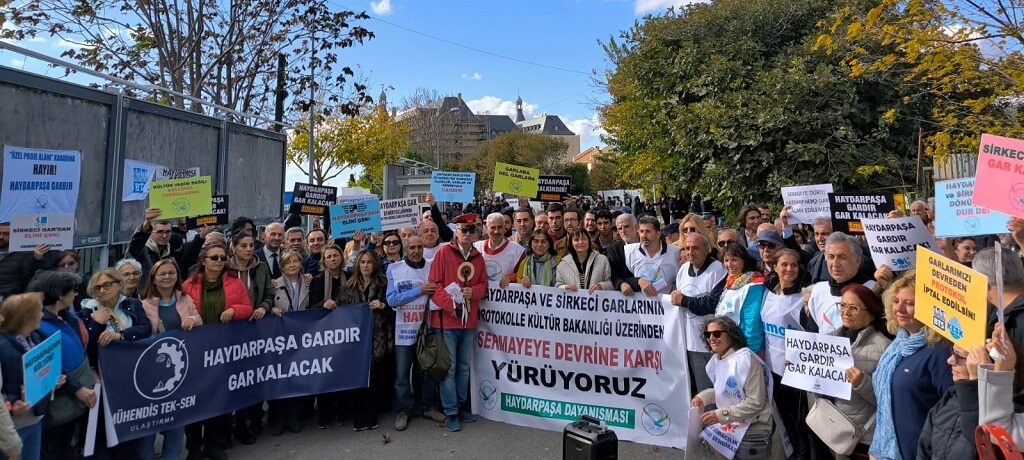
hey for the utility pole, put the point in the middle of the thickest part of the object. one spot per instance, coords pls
(312, 118)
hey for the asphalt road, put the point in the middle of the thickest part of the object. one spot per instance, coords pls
(423, 440)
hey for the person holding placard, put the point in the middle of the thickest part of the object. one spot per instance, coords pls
(863, 318)
(325, 292)
(999, 386)
(390, 250)
(17, 268)
(19, 322)
(911, 375)
(948, 432)
(740, 393)
(152, 241)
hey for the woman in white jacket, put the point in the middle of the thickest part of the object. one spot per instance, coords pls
(583, 268)
(997, 384)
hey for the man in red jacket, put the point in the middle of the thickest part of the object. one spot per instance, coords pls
(460, 274)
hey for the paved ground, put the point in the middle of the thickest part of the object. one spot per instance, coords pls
(425, 440)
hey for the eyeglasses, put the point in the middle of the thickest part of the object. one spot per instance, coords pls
(107, 285)
(132, 274)
(392, 243)
(67, 264)
(849, 307)
(958, 358)
(765, 245)
(217, 258)
(724, 243)
(715, 334)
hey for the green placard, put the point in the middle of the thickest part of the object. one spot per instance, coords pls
(517, 180)
(192, 196)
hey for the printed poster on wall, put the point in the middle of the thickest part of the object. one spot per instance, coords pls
(165, 173)
(39, 181)
(31, 230)
(545, 356)
(957, 215)
(137, 176)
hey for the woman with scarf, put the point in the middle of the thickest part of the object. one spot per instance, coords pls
(538, 266)
(325, 292)
(291, 293)
(255, 275)
(110, 316)
(72, 401)
(168, 309)
(584, 268)
(914, 367)
(368, 284)
(740, 394)
(863, 318)
(742, 295)
(221, 298)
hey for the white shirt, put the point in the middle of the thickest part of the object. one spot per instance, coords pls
(660, 270)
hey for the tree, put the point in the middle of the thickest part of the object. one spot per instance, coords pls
(964, 56)
(580, 178)
(371, 140)
(223, 52)
(603, 173)
(531, 150)
(730, 100)
(433, 129)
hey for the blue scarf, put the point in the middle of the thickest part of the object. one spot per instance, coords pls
(883, 445)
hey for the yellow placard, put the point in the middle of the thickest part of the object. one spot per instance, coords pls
(191, 196)
(950, 298)
(517, 180)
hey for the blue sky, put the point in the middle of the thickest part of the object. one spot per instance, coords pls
(558, 33)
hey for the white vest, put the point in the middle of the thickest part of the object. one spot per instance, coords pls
(698, 286)
(502, 263)
(780, 312)
(822, 307)
(409, 316)
(730, 376)
(660, 270)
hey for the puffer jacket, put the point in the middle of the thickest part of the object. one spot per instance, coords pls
(867, 349)
(255, 275)
(597, 272)
(948, 432)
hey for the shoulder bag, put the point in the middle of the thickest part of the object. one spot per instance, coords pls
(833, 427)
(431, 351)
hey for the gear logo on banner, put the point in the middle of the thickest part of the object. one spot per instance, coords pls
(488, 394)
(655, 420)
(169, 357)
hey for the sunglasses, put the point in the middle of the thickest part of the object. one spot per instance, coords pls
(468, 228)
(958, 358)
(392, 243)
(689, 229)
(725, 243)
(715, 334)
(218, 258)
(765, 245)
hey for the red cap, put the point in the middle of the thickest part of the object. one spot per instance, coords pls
(467, 218)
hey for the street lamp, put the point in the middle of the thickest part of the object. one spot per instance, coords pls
(437, 133)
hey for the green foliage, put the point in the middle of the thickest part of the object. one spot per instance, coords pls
(580, 179)
(531, 150)
(731, 100)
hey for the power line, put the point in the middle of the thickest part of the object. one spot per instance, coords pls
(460, 45)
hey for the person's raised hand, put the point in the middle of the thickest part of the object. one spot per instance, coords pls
(152, 213)
(976, 356)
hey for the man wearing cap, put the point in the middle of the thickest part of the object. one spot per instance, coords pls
(671, 233)
(843, 255)
(501, 256)
(653, 262)
(768, 241)
(699, 285)
(460, 274)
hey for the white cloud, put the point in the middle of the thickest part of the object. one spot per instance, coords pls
(37, 39)
(659, 6)
(498, 106)
(472, 76)
(17, 62)
(589, 130)
(381, 8)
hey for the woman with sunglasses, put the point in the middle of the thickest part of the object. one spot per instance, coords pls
(390, 250)
(369, 285)
(739, 393)
(168, 309)
(912, 375)
(325, 291)
(584, 268)
(948, 431)
(72, 401)
(693, 223)
(863, 318)
(220, 298)
(743, 294)
(255, 275)
(539, 264)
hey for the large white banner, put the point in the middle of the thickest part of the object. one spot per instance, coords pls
(39, 181)
(545, 356)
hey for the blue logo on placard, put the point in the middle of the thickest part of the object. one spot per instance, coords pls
(954, 329)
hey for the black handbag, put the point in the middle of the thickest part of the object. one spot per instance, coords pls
(431, 351)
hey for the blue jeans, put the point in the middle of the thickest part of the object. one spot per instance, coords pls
(455, 386)
(31, 441)
(173, 439)
(408, 379)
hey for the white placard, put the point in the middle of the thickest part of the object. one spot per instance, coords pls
(39, 181)
(398, 213)
(807, 202)
(893, 241)
(137, 176)
(818, 363)
(165, 173)
(31, 230)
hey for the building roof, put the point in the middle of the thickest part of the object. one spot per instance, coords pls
(497, 124)
(545, 124)
(587, 156)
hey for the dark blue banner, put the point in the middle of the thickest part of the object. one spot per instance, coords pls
(181, 377)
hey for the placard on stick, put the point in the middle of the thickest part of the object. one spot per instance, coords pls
(191, 196)
(950, 298)
(849, 208)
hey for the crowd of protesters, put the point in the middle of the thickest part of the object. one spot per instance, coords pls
(914, 394)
